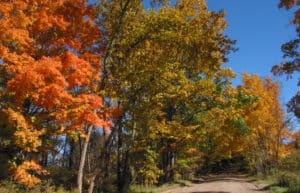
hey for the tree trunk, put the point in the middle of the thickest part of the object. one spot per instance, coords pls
(92, 184)
(44, 161)
(172, 165)
(82, 159)
(120, 180)
(72, 146)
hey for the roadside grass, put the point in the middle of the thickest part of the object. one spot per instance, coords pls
(268, 183)
(278, 183)
(157, 189)
(278, 189)
(265, 180)
(11, 187)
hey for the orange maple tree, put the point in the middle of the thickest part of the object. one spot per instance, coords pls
(50, 55)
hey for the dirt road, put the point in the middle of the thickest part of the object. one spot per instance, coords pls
(221, 184)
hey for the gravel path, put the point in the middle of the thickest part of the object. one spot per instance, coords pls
(221, 184)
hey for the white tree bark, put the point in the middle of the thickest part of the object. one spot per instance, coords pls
(82, 159)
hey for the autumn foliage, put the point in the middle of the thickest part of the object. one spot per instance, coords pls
(116, 94)
(265, 118)
(50, 57)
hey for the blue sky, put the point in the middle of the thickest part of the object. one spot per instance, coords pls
(260, 29)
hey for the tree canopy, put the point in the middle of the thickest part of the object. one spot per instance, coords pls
(100, 95)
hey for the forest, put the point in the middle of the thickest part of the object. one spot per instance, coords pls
(100, 96)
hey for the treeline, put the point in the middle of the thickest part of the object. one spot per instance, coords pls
(98, 96)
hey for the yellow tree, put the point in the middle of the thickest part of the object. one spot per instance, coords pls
(161, 69)
(265, 118)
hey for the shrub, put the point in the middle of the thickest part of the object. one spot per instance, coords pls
(291, 162)
(12, 187)
(290, 172)
(284, 178)
(290, 180)
(9, 186)
(294, 185)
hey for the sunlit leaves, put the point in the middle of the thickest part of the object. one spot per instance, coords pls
(27, 173)
(51, 63)
(25, 136)
(163, 65)
(265, 118)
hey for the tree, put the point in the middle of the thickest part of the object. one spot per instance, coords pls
(51, 65)
(107, 94)
(265, 118)
(160, 66)
(291, 54)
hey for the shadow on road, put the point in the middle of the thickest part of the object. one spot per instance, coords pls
(222, 177)
(267, 187)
